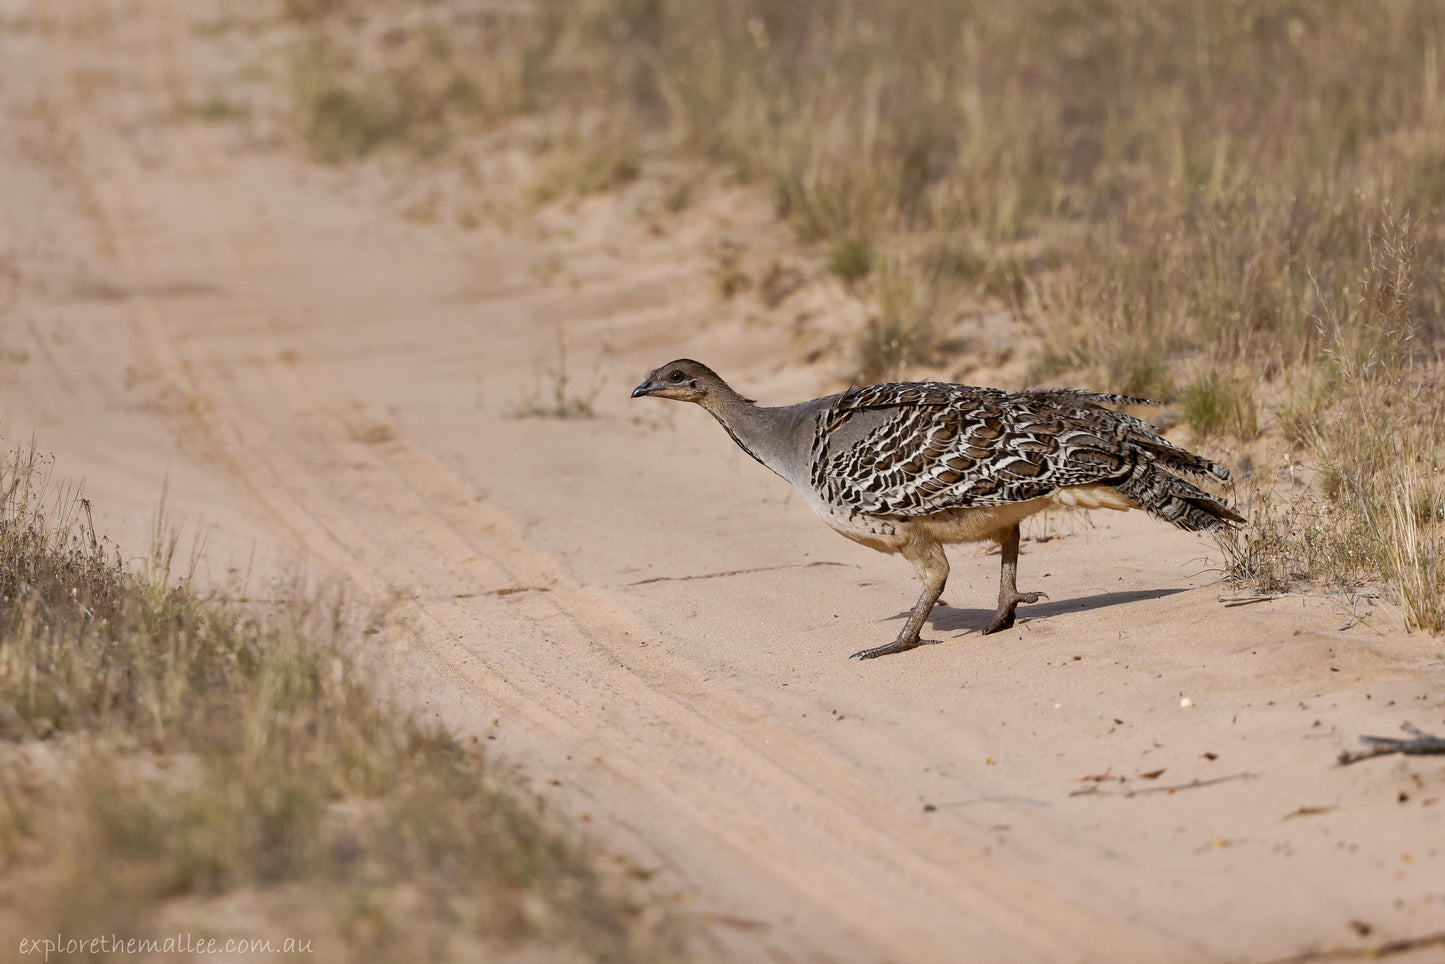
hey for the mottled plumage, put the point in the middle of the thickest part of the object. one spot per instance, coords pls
(931, 447)
(909, 467)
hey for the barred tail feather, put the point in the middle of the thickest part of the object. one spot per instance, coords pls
(1175, 458)
(1168, 497)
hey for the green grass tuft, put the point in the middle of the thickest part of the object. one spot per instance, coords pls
(1216, 405)
(850, 258)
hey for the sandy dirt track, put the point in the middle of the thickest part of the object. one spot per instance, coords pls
(634, 609)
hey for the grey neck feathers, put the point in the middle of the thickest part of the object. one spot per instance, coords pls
(769, 435)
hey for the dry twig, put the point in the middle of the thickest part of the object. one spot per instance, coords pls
(732, 572)
(1423, 744)
(1094, 791)
(1254, 597)
(1372, 952)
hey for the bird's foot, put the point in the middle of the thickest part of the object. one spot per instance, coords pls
(1004, 618)
(900, 645)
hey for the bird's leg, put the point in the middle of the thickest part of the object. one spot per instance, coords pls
(1008, 591)
(932, 567)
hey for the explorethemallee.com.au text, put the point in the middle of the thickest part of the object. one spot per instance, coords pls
(179, 944)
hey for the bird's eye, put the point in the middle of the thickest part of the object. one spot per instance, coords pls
(676, 376)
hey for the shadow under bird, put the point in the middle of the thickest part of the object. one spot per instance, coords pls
(910, 467)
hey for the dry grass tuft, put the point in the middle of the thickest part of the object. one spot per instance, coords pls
(1377, 438)
(1287, 543)
(1409, 541)
(1381, 445)
(311, 9)
(908, 324)
(580, 166)
(556, 398)
(420, 87)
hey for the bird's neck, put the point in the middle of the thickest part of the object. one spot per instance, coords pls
(763, 433)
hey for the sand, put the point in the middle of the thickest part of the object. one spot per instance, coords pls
(633, 615)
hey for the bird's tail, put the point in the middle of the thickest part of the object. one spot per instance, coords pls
(1166, 496)
(1155, 484)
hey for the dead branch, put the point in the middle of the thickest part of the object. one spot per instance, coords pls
(1423, 744)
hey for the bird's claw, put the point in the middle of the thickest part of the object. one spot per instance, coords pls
(1004, 618)
(900, 645)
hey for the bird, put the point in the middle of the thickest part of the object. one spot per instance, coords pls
(909, 467)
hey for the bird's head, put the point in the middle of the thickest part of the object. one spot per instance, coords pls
(684, 380)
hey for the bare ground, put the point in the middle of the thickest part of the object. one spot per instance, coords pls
(641, 619)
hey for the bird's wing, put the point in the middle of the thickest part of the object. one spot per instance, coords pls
(916, 449)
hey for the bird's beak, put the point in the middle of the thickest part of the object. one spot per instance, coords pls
(646, 388)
